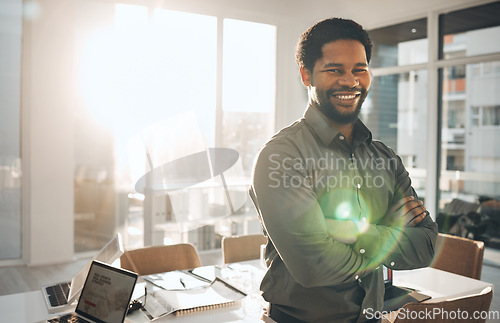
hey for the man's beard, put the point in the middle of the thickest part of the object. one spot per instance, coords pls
(332, 113)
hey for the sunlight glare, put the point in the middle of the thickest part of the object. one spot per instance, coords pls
(249, 66)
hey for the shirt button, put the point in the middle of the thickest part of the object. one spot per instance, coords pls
(362, 250)
(393, 263)
(341, 137)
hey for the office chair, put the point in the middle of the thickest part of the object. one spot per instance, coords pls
(159, 259)
(240, 248)
(459, 255)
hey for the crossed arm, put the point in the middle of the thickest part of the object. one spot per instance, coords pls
(408, 209)
(404, 244)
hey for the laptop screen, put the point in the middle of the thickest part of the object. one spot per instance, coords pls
(106, 294)
(109, 253)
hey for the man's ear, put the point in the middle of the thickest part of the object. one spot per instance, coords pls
(306, 76)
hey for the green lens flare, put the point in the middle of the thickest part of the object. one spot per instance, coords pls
(365, 211)
(344, 211)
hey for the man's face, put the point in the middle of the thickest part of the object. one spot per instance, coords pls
(340, 80)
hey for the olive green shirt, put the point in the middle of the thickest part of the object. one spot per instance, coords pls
(308, 172)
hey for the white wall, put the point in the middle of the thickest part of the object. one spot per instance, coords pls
(48, 145)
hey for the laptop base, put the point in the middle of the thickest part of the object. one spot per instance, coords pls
(397, 297)
(56, 297)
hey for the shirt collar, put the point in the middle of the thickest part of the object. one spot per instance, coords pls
(362, 133)
(327, 133)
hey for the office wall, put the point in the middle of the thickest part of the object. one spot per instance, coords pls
(48, 144)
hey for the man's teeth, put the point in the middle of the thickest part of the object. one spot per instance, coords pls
(346, 97)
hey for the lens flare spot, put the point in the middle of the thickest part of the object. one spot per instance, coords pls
(362, 226)
(343, 211)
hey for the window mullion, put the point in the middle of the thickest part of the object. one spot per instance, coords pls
(468, 60)
(433, 116)
(218, 88)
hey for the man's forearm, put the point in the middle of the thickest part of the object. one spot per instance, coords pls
(399, 248)
(345, 231)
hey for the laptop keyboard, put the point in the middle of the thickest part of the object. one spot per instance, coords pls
(58, 294)
(69, 318)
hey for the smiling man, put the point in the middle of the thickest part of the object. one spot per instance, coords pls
(335, 203)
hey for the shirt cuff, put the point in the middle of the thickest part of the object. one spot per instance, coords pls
(368, 242)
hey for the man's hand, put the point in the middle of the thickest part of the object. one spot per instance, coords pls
(345, 231)
(410, 210)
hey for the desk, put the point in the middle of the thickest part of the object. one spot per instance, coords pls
(30, 306)
(438, 284)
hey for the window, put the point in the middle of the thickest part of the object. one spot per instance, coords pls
(394, 110)
(248, 68)
(154, 93)
(402, 44)
(455, 113)
(470, 105)
(11, 17)
(469, 32)
(485, 116)
(466, 66)
(491, 116)
(396, 115)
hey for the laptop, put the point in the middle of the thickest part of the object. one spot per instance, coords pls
(60, 297)
(396, 296)
(105, 296)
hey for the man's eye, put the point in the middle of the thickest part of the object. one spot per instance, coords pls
(361, 70)
(334, 70)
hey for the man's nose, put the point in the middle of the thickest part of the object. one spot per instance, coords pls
(349, 80)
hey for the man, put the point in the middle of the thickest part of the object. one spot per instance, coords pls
(335, 204)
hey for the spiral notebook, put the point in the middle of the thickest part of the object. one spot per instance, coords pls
(179, 302)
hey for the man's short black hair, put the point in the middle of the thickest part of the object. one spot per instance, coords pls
(312, 40)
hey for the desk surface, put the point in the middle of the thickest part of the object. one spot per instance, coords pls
(30, 306)
(438, 284)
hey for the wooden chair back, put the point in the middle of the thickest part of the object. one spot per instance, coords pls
(159, 259)
(241, 248)
(459, 255)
